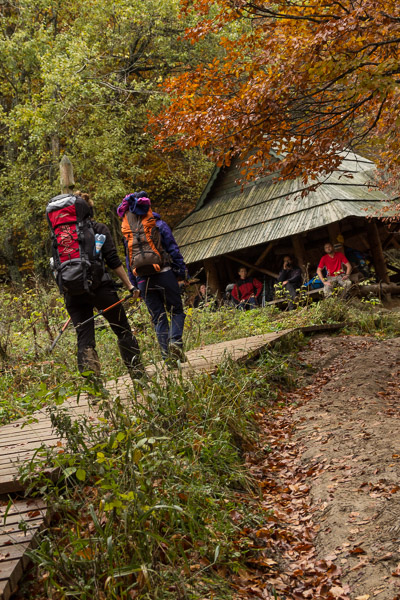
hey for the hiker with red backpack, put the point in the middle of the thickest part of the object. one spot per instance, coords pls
(155, 264)
(81, 248)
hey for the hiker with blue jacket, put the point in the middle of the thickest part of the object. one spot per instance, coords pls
(155, 264)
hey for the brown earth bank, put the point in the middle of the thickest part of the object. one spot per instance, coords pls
(350, 426)
(329, 473)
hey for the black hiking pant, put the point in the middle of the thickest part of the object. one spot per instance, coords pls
(81, 307)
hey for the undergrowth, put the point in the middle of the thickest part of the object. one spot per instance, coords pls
(145, 498)
(31, 319)
(146, 502)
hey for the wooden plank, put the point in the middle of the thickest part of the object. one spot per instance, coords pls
(250, 266)
(11, 575)
(15, 449)
(9, 437)
(13, 528)
(44, 422)
(18, 443)
(260, 259)
(13, 552)
(21, 506)
(16, 537)
(9, 484)
(6, 460)
(28, 517)
(14, 542)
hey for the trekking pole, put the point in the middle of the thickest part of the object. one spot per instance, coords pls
(104, 310)
(63, 328)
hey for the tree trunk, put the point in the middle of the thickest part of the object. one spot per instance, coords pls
(11, 260)
(379, 289)
(375, 245)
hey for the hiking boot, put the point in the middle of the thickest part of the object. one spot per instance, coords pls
(175, 355)
(88, 360)
(137, 370)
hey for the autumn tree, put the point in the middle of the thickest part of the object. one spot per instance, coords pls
(305, 79)
(80, 77)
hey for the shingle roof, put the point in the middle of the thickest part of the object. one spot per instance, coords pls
(228, 218)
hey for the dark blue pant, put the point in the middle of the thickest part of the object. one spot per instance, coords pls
(162, 296)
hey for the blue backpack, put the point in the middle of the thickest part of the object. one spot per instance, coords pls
(314, 283)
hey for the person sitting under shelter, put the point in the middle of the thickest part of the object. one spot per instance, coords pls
(334, 263)
(246, 291)
(204, 299)
(290, 276)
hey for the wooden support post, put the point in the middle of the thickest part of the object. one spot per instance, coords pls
(66, 175)
(213, 281)
(390, 240)
(262, 256)
(375, 245)
(299, 251)
(335, 236)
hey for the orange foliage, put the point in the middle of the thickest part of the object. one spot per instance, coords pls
(304, 78)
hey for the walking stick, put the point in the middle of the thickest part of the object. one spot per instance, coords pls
(63, 328)
(101, 312)
(104, 310)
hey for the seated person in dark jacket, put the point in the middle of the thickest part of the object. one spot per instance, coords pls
(290, 276)
(246, 291)
(204, 299)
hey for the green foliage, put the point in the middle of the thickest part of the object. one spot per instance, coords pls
(146, 495)
(31, 319)
(80, 78)
(152, 499)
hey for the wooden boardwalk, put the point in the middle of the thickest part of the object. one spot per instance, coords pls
(21, 522)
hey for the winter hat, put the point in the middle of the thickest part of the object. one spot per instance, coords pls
(138, 203)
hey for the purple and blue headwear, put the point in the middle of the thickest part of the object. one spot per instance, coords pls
(137, 203)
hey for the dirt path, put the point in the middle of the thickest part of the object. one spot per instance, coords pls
(349, 430)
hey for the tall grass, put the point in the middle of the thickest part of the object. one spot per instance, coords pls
(145, 498)
(30, 319)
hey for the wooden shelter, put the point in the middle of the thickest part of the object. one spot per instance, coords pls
(255, 226)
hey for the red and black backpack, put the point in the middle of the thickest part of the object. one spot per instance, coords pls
(78, 268)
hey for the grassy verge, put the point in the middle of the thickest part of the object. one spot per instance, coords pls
(148, 500)
(31, 318)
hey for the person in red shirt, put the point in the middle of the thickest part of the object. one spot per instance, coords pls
(246, 291)
(338, 270)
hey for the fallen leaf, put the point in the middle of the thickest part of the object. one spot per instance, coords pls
(363, 597)
(357, 550)
(396, 572)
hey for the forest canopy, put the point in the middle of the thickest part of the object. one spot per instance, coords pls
(305, 79)
(223, 80)
(79, 78)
